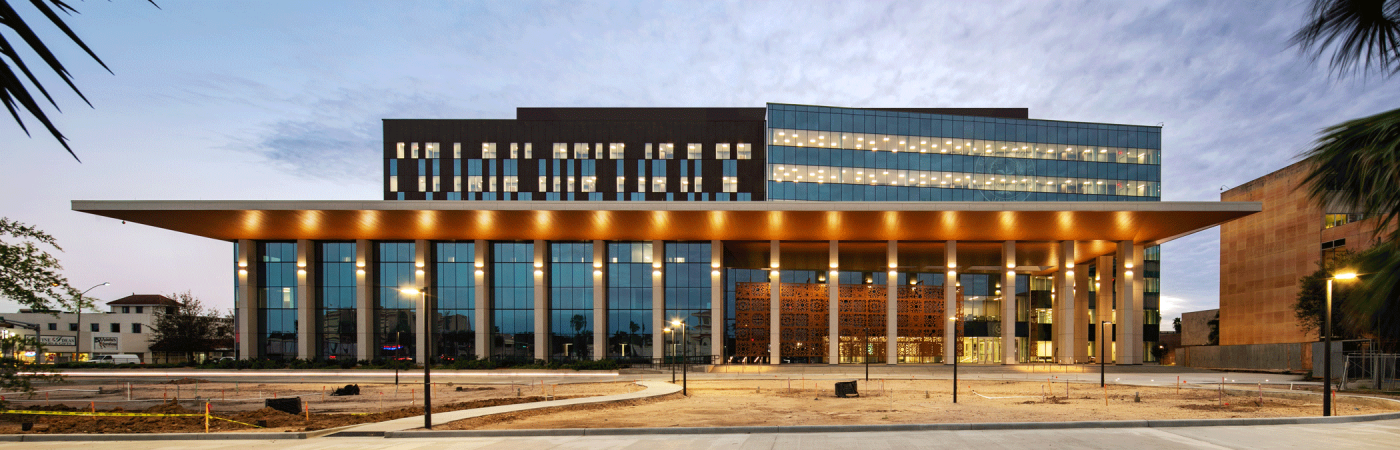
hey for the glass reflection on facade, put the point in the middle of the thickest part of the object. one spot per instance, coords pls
(277, 299)
(455, 294)
(571, 300)
(629, 300)
(513, 291)
(335, 307)
(688, 296)
(394, 314)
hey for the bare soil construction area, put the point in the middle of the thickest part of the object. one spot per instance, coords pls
(244, 402)
(774, 403)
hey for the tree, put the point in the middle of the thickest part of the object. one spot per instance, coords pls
(1214, 337)
(13, 90)
(1354, 163)
(1312, 296)
(190, 328)
(1176, 324)
(28, 274)
(18, 375)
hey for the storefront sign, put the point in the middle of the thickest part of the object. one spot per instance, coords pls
(57, 340)
(100, 343)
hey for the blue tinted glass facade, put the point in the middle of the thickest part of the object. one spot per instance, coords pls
(571, 299)
(335, 307)
(513, 291)
(844, 154)
(455, 291)
(395, 311)
(687, 274)
(629, 299)
(277, 299)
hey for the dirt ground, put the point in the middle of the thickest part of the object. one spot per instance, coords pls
(773, 403)
(243, 402)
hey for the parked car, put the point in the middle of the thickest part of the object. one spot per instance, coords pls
(117, 359)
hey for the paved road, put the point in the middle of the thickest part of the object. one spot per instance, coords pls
(1366, 435)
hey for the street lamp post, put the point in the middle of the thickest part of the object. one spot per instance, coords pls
(1327, 345)
(685, 355)
(953, 322)
(428, 362)
(78, 336)
(1103, 353)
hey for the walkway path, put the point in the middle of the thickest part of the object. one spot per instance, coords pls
(653, 389)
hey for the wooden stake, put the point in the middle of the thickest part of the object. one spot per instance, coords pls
(206, 417)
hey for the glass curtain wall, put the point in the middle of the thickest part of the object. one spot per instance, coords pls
(982, 321)
(335, 307)
(571, 300)
(455, 292)
(237, 299)
(513, 289)
(1034, 341)
(629, 300)
(394, 312)
(277, 299)
(688, 297)
(1151, 302)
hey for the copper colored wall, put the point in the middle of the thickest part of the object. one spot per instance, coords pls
(1263, 255)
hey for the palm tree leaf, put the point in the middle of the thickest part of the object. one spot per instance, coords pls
(12, 91)
(37, 45)
(1364, 33)
(58, 22)
(1357, 163)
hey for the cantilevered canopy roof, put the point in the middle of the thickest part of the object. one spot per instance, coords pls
(1145, 223)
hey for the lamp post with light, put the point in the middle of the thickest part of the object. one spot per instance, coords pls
(1327, 345)
(427, 363)
(78, 337)
(953, 322)
(1103, 353)
(685, 354)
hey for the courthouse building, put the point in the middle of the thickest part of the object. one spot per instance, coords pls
(784, 234)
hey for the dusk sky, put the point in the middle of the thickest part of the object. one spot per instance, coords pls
(283, 100)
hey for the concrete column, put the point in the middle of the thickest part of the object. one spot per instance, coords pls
(364, 299)
(717, 312)
(600, 301)
(542, 333)
(482, 324)
(658, 300)
(1128, 314)
(950, 301)
(892, 304)
(1065, 296)
(833, 306)
(247, 300)
(774, 311)
(1103, 305)
(1139, 284)
(306, 300)
(1081, 323)
(423, 321)
(1008, 303)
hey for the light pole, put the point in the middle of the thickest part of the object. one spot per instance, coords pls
(1327, 345)
(664, 357)
(78, 337)
(685, 355)
(953, 322)
(428, 362)
(1103, 353)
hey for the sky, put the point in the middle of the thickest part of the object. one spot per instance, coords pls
(276, 100)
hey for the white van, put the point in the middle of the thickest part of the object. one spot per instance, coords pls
(116, 359)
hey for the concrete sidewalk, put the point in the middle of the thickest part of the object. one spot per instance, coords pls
(653, 389)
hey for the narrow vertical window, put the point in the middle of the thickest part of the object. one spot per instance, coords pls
(457, 150)
(648, 151)
(514, 150)
(529, 152)
(414, 149)
(400, 147)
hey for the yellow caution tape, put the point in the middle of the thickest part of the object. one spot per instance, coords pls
(92, 414)
(67, 413)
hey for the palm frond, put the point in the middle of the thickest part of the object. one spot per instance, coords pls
(1363, 35)
(1357, 164)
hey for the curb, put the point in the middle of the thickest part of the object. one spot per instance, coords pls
(896, 427)
(150, 437)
